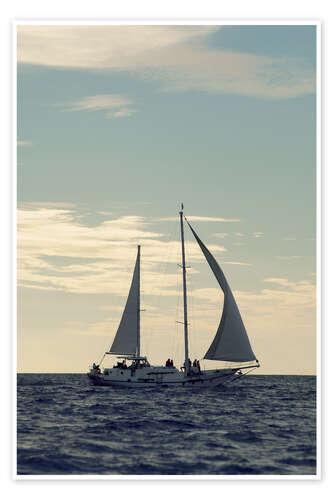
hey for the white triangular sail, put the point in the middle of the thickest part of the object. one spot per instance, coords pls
(127, 338)
(231, 342)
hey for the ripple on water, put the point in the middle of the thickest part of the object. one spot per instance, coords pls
(66, 426)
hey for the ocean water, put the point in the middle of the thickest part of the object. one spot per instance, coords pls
(261, 425)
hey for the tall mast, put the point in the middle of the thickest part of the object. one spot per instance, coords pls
(138, 310)
(184, 290)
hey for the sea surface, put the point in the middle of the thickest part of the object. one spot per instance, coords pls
(261, 425)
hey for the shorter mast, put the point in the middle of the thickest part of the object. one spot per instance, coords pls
(138, 311)
(184, 291)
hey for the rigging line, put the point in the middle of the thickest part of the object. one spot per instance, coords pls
(160, 278)
(105, 350)
(240, 376)
(196, 311)
(175, 335)
(191, 315)
(196, 306)
(177, 344)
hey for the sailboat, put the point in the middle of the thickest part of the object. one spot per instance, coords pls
(230, 344)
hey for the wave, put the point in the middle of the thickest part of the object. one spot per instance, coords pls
(66, 426)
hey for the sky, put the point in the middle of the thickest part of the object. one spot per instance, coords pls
(117, 125)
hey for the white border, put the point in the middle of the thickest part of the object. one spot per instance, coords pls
(221, 477)
(165, 22)
(14, 242)
(319, 250)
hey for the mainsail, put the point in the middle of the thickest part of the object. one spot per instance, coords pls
(231, 342)
(127, 339)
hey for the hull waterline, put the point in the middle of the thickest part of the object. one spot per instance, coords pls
(210, 378)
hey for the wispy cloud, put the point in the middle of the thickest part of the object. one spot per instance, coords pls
(299, 286)
(116, 105)
(258, 234)
(27, 205)
(295, 292)
(24, 143)
(175, 56)
(220, 235)
(199, 218)
(121, 113)
(57, 251)
(288, 257)
(236, 263)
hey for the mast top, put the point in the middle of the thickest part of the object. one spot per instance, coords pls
(181, 208)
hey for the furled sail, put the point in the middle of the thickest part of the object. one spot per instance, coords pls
(231, 342)
(126, 339)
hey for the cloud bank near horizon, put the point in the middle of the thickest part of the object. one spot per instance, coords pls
(57, 251)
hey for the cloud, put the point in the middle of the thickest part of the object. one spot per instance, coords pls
(27, 205)
(117, 105)
(209, 294)
(58, 252)
(218, 71)
(293, 302)
(199, 218)
(258, 234)
(121, 113)
(220, 235)
(100, 47)
(289, 294)
(235, 263)
(174, 56)
(299, 286)
(288, 257)
(24, 143)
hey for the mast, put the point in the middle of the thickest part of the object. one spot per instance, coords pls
(138, 310)
(184, 290)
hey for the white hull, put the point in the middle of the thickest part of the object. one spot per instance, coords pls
(161, 377)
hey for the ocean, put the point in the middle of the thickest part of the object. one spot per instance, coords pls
(261, 425)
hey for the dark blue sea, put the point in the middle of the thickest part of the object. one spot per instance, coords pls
(261, 425)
